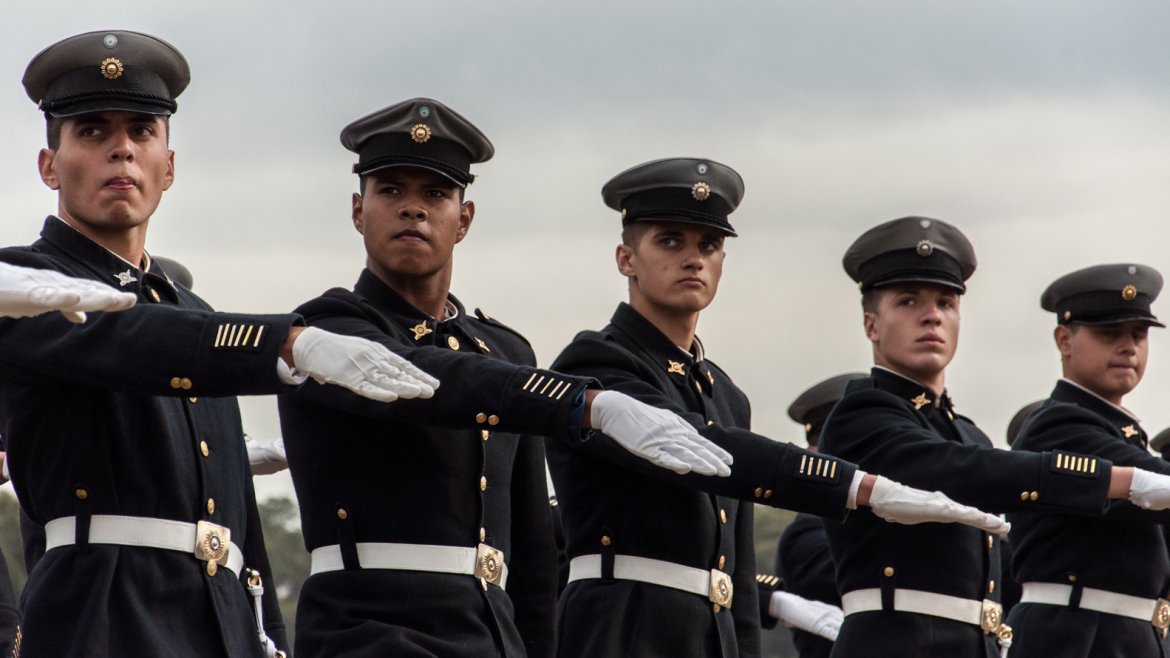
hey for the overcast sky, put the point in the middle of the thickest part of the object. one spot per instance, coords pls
(1041, 129)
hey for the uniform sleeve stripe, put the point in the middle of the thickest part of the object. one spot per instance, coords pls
(525, 387)
(248, 334)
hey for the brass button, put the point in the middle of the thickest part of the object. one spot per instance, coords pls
(483, 534)
(722, 516)
(211, 506)
(1034, 495)
(1024, 495)
(716, 608)
(767, 493)
(203, 448)
(485, 434)
(1072, 578)
(990, 542)
(81, 494)
(480, 417)
(176, 382)
(888, 572)
(193, 400)
(185, 384)
(212, 568)
(759, 492)
(342, 513)
(605, 540)
(710, 422)
(453, 342)
(991, 587)
(722, 561)
(154, 295)
(493, 420)
(483, 483)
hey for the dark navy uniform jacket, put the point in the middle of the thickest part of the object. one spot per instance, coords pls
(439, 471)
(692, 520)
(1124, 551)
(131, 414)
(891, 425)
(805, 565)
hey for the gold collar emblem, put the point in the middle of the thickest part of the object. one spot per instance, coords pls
(421, 329)
(675, 367)
(920, 401)
(111, 68)
(1129, 431)
(482, 345)
(420, 133)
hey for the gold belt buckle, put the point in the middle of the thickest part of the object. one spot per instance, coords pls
(212, 543)
(991, 619)
(1161, 618)
(720, 590)
(489, 564)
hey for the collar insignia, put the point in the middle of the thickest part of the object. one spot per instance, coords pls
(1129, 431)
(125, 278)
(920, 401)
(421, 329)
(675, 367)
(482, 345)
(710, 378)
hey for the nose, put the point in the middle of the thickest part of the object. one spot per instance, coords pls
(932, 314)
(412, 211)
(1127, 345)
(692, 258)
(122, 147)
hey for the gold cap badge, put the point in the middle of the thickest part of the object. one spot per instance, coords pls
(111, 68)
(701, 191)
(420, 133)
(1129, 292)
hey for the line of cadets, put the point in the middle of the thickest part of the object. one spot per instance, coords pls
(427, 520)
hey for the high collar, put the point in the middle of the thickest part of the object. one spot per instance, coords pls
(1070, 391)
(912, 391)
(683, 367)
(108, 266)
(376, 290)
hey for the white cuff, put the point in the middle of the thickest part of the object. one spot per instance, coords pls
(289, 375)
(858, 476)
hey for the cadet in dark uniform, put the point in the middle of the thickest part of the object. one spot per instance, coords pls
(934, 590)
(1095, 586)
(657, 559)
(429, 524)
(803, 560)
(123, 440)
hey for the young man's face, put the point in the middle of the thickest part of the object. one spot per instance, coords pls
(410, 219)
(110, 169)
(914, 329)
(1107, 359)
(672, 266)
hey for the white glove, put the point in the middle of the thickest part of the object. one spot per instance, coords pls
(266, 456)
(1149, 490)
(815, 617)
(25, 292)
(363, 366)
(899, 503)
(656, 435)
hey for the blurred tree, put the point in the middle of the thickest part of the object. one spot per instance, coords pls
(286, 554)
(770, 522)
(10, 543)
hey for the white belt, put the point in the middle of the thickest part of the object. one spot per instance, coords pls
(483, 561)
(1154, 611)
(985, 614)
(206, 541)
(713, 584)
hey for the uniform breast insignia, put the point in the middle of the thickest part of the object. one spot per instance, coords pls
(421, 329)
(544, 383)
(920, 401)
(125, 278)
(482, 345)
(814, 467)
(1130, 431)
(675, 367)
(1080, 465)
(239, 336)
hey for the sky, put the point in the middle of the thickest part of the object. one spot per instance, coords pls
(1040, 129)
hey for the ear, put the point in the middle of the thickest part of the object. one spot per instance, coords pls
(170, 177)
(356, 213)
(624, 256)
(466, 215)
(869, 321)
(46, 165)
(1062, 336)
